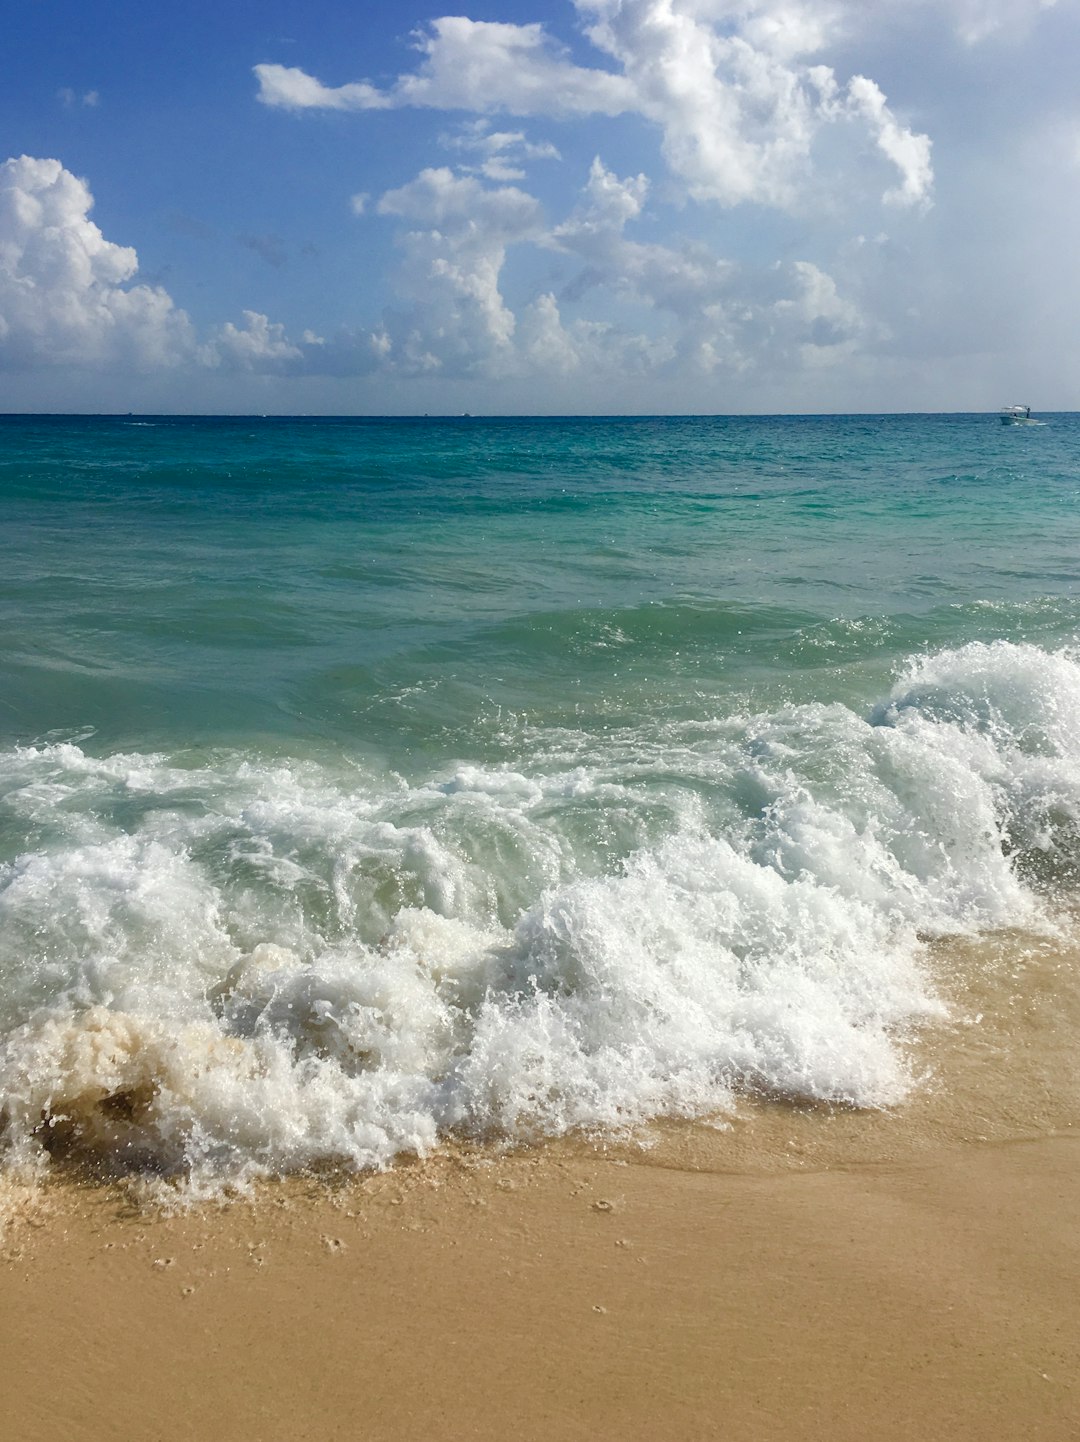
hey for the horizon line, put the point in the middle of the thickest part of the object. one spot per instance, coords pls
(492, 415)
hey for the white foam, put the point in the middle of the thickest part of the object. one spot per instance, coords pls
(249, 966)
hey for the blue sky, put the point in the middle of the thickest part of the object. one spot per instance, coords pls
(607, 205)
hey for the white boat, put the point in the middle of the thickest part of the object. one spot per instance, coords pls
(1017, 416)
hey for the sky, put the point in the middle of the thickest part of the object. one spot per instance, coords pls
(540, 206)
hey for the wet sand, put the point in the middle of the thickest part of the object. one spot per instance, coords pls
(559, 1294)
(799, 1273)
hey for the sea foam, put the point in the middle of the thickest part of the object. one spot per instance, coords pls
(236, 966)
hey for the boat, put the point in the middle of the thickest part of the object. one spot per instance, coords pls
(1017, 416)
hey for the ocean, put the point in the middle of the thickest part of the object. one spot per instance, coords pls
(371, 785)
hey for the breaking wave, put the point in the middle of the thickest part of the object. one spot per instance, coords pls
(231, 965)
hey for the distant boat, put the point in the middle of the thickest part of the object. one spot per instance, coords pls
(1017, 416)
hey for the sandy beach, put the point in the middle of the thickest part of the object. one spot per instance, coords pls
(560, 1293)
(713, 940)
(796, 1271)
(540, 722)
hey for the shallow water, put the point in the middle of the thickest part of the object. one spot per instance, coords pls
(367, 783)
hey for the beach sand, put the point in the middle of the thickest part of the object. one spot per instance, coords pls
(563, 1292)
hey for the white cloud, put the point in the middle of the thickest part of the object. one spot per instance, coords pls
(502, 154)
(738, 122)
(551, 349)
(910, 153)
(739, 113)
(459, 322)
(66, 297)
(452, 266)
(461, 204)
(70, 98)
(259, 345)
(720, 315)
(64, 292)
(609, 204)
(824, 326)
(738, 109)
(978, 20)
(697, 313)
(683, 281)
(467, 65)
(784, 28)
(792, 28)
(289, 88)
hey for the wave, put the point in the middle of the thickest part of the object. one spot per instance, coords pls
(227, 965)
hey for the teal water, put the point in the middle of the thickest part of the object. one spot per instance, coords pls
(365, 780)
(393, 585)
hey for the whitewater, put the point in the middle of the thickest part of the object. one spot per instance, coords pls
(366, 786)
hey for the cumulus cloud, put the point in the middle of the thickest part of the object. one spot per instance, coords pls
(697, 311)
(729, 86)
(501, 154)
(720, 315)
(738, 120)
(910, 153)
(825, 326)
(439, 197)
(608, 204)
(467, 65)
(65, 296)
(258, 344)
(551, 347)
(289, 88)
(454, 252)
(681, 280)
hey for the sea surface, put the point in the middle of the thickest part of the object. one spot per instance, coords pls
(370, 783)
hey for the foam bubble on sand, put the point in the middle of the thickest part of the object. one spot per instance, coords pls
(247, 966)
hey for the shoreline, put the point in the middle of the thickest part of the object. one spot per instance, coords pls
(560, 1293)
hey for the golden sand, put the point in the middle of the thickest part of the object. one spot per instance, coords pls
(560, 1294)
(803, 1273)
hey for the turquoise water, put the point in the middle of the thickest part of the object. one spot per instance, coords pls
(392, 585)
(367, 780)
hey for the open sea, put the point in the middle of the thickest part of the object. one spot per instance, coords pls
(366, 784)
